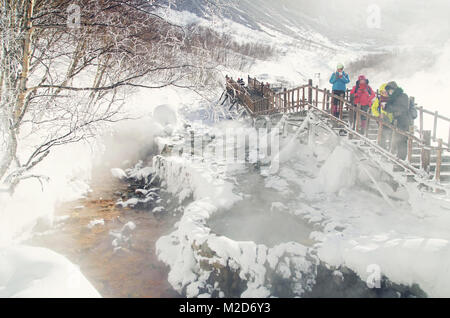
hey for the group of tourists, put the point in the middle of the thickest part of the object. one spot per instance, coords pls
(391, 104)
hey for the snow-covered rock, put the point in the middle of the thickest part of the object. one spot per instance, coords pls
(118, 173)
(93, 223)
(122, 237)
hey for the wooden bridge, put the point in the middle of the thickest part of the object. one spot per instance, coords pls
(427, 153)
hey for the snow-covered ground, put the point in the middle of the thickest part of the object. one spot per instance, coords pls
(38, 272)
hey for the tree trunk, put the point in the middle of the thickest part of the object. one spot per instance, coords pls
(26, 59)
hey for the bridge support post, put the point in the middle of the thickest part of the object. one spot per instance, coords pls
(351, 116)
(421, 121)
(426, 154)
(436, 114)
(358, 117)
(448, 140)
(310, 93)
(317, 96)
(292, 100)
(393, 138)
(272, 100)
(439, 160)
(303, 97)
(366, 132)
(192, 143)
(410, 149)
(324, 100)
(380, 133)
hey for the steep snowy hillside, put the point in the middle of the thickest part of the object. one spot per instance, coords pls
(341, 21)
(287, 16)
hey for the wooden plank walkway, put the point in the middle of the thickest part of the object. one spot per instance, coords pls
(427, 152)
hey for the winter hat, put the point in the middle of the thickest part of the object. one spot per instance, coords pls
(391, 85)
(362, 77)
(340, 66)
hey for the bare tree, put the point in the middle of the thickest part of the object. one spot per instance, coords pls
(66, 69)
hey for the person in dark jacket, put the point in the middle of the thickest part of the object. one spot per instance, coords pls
(398, 105)
(339, 79)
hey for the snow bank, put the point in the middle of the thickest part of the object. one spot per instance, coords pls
(412, 260)
(185, 178)
(38, 272)
(339, 170)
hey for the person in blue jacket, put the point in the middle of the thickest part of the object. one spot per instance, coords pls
(339, 79)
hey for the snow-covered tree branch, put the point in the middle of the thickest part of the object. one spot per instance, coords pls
(66, 68)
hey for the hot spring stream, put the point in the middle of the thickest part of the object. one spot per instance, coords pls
(256, 217)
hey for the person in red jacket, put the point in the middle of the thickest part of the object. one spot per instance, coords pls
(363, 95)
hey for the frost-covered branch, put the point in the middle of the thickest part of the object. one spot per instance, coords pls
(61, 84)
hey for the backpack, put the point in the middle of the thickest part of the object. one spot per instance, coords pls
(369, 90)
(412, 109)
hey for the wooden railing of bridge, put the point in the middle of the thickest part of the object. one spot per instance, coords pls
(260, 99)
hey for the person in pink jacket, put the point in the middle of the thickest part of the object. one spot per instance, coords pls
(363, 95)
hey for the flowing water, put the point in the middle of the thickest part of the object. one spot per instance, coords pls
(129, 269)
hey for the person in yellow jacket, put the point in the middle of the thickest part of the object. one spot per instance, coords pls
(378, 105)
(378, 111)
